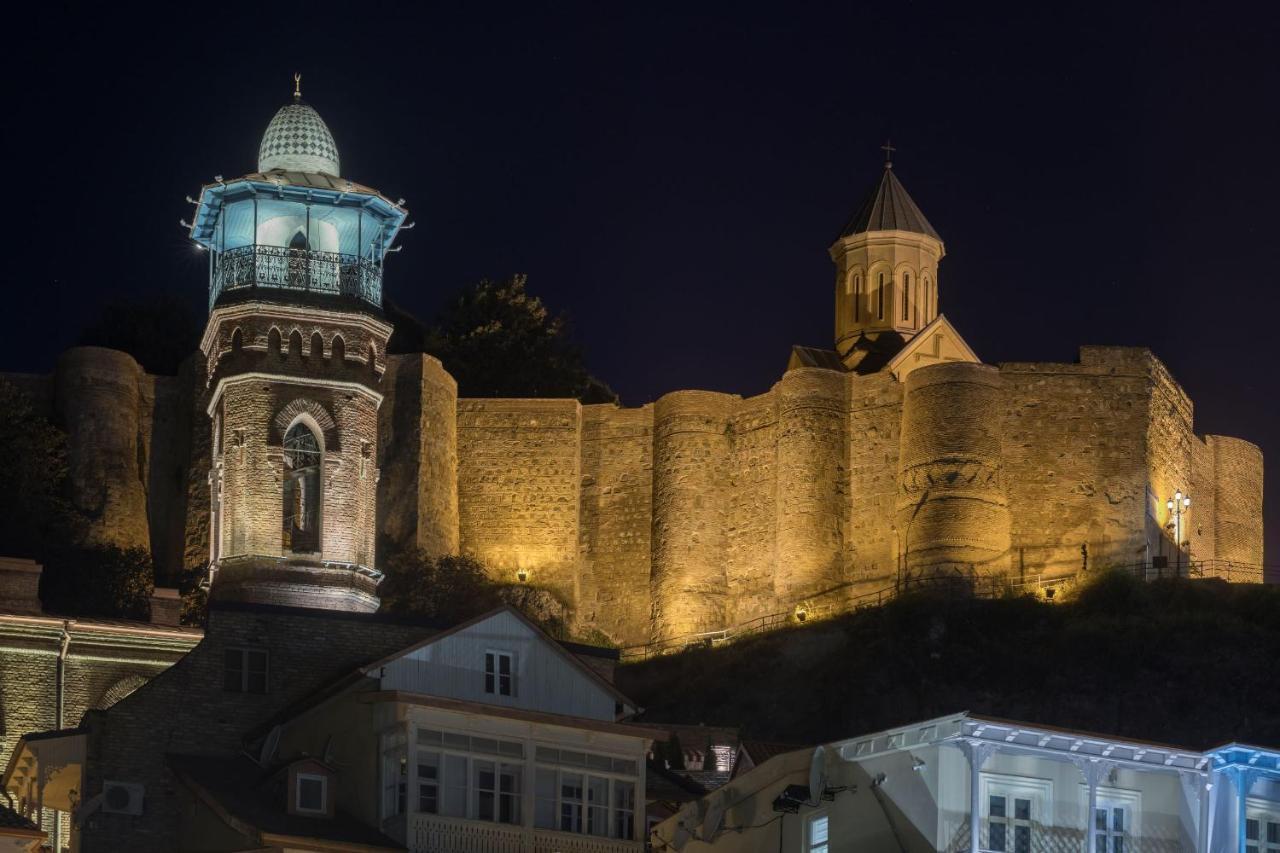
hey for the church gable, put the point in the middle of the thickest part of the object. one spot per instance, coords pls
(500, 659)
(936, 343)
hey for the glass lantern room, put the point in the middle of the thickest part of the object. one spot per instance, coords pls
(289, 231)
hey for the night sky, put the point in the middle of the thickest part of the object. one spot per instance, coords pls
(673, 178)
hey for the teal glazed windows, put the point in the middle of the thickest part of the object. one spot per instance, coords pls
(300, 520)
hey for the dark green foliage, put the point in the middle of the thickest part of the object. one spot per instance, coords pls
(446, 588)
(1185, 662)
(33, 472)
(98, 581)
(195, 596)
(160, 332)
(497, 340)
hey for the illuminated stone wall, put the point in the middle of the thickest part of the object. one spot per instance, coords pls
(952, 507)
(1237, 529)
(418, 448)
(519, 481)
(699, 511)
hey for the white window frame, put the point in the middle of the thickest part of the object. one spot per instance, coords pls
(1264, 812)
(1110, 798)
(394, 787)
(1038, 791)
(813, 844)
(470, 758)
(586, 772)
(497, 655)
(324, 793)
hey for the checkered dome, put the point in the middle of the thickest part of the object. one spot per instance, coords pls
(298, 140)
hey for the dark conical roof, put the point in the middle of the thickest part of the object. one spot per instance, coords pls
(888, 207)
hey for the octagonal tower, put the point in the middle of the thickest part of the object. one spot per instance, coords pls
(295, 351)
(886, 261)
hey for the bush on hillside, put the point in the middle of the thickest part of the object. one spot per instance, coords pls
(1185, 662)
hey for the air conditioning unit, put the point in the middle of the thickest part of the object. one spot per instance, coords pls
(122, 797)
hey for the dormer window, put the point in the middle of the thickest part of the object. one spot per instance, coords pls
(499, 673)
(312, 793)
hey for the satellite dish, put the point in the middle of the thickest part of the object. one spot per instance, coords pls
(818, 774)
(713, 818)
(269, 746)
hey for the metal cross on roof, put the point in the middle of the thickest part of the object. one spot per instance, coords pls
(888, 150)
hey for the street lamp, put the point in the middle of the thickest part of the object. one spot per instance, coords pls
(1177, 505)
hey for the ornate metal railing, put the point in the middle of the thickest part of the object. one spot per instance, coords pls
(326, 273)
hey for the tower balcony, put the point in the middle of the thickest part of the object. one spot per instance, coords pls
(242, 270)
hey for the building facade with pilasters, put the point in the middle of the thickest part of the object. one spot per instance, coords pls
(969, 783)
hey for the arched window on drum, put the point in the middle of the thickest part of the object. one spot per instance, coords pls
(301, 516)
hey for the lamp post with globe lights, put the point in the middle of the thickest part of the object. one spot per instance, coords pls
(1178, 505)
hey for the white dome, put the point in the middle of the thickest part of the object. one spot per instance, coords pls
(298, 140)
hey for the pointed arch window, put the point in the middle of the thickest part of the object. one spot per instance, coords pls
(906, 296)
(928, 300)
(880, 298)
(301, 516)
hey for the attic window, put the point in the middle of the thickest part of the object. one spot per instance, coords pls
(312, 793)
(499, 673)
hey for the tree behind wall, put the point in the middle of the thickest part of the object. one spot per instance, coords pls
(498, 340)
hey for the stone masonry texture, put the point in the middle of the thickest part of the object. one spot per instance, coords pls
(699, 511)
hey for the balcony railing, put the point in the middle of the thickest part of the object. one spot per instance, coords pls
(274, 267)
(434, 834)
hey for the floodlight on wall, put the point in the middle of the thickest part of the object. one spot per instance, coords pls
(802, 613)
(522, 575)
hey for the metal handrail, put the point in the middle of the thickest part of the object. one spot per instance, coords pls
(277, 267)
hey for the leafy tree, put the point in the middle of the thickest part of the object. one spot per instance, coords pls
(33, 472)
(98, 581)
(159, 332)
(446, 588)
(498, 340)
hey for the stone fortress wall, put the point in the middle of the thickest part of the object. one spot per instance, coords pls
(704, 510)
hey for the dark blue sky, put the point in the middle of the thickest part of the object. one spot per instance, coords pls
(672, 178)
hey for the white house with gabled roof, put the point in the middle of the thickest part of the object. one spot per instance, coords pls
(972, 783)
(490, 736)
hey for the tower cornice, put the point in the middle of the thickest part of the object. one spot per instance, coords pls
(285, 379)
(297, 313)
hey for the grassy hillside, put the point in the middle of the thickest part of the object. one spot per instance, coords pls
(1193, 663)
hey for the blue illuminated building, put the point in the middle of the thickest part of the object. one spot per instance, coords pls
(295, 224)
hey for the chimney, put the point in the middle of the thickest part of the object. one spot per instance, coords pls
(166, 607)
(20, 586)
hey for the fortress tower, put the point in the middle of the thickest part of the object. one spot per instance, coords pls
(295, 351)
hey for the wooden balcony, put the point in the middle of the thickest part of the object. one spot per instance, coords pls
(433, 834)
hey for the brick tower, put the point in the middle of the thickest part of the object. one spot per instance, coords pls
(295, 351)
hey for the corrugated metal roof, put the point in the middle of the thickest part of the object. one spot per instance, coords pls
(888, 207)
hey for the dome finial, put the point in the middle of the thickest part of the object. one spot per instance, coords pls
(297, 85)
(888, 150)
